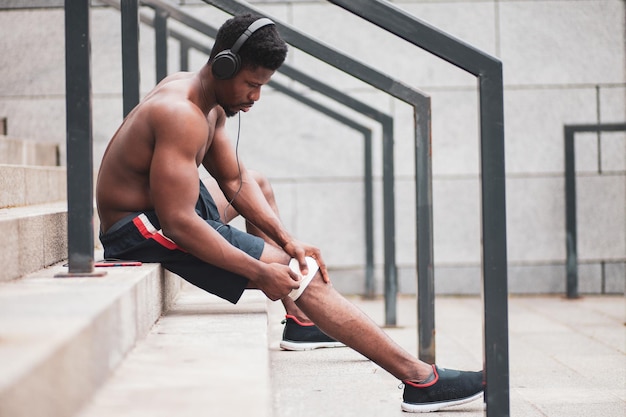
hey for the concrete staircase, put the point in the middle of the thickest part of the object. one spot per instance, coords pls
(89, 346)
(60, 339)
(66, 342)
(33, 212)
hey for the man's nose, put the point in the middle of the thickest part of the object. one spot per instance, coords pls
(255, 94)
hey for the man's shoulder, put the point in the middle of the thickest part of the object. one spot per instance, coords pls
(167, 107)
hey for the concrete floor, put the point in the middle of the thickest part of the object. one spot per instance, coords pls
(206, 357)
(567, 358)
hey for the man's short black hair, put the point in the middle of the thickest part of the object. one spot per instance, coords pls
(265, 48)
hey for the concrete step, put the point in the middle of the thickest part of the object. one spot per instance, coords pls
(36, 237)
(22, 185)
(60, 338)
(28, 152)
(205, 357)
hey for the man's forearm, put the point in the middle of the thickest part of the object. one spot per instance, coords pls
(252, 205)
(199, 239)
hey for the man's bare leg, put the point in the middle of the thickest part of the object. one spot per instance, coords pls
(342, 320)
(427, 388)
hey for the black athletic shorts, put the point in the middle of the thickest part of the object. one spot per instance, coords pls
(139, 237)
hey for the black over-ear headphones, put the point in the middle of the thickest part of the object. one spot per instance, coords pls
(226, 63)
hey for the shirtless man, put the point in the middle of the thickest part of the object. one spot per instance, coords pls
(154, 208)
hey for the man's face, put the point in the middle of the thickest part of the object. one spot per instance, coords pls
(240, 92)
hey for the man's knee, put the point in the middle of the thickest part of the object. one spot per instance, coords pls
(306, 280)
(262, 181)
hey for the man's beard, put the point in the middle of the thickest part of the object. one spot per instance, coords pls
(229, 113)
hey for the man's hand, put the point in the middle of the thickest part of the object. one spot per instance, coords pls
(277, 281)
(300, 250)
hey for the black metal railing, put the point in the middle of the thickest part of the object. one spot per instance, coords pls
(571, 227)
(80, 238)
(130, 54)
(489, 72)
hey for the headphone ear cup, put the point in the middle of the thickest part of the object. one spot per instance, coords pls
(225, 65)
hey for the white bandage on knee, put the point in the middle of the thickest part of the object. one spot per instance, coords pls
(305, 280)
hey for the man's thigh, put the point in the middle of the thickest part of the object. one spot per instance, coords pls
(274, 254)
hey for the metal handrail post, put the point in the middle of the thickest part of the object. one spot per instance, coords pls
(571, 226)
(571, 233)
(391, 272)
(494, 253)
(489, 72)
(79, 138)
(424, 235)
(130, 54)
(160, 35)
(184, 56)
(370, 284)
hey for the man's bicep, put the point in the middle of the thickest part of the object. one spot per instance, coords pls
(180, 132)
(174, 182)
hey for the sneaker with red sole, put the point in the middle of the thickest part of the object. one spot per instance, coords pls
(305, 336)
(447, 388)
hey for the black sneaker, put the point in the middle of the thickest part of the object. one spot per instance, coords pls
(448, 388)
(304, 336)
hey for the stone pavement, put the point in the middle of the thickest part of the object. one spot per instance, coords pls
(206, 357)
(567, 359)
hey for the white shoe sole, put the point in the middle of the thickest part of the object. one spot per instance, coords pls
(286, 345)
(429, 407)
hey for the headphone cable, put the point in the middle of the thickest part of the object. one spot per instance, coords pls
(230, 203)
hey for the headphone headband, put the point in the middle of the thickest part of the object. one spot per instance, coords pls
(227, 62)
(256, 25)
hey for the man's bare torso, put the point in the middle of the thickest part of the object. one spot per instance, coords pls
(123, 185)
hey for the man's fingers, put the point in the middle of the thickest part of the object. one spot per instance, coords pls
(295, 278)
(322, 266)
(304, 267)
